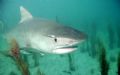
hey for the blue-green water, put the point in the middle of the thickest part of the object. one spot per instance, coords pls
(96, 18)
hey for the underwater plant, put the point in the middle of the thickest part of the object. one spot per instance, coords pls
(19, 61)
(39, 72)
(111, 36)
(118, 64)
(92, 40)
(22, 66)
(1, 27)
(104, 65)
(36, 59)
(92, 71)
(13, 73)
(71, 64)
(118, 33)
(15, 54)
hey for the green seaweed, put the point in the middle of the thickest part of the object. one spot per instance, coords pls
(36, 60)
(118, 33)
(39, 72)
(111, 35)
(104, 65)
(1, 27)
(71, 63)
(118, 64)
(13, 73)
(92, 40)
(92, 71)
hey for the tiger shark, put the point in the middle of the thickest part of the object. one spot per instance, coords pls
(44, 35)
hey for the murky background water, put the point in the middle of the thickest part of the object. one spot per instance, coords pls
(99, 19)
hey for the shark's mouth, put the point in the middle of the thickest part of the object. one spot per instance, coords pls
(65, 49)
(74, 46)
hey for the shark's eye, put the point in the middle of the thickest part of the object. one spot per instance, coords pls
(53, 36)
(55, 39)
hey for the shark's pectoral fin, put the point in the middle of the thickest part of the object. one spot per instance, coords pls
(28, 51)
(25, 52)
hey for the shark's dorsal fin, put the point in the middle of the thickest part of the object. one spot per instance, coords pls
(25, 15)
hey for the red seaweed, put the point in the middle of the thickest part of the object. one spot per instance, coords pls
(16, 56)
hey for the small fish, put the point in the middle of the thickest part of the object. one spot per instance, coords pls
(44, 36)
